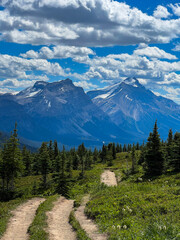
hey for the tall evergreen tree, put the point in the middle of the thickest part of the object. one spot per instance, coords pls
(117, 148)
(12, 159)
(120, 148)
(103, 153)
(82, 152)
(154, 156)
(56, 150)
(27, 161)
(175, 157)
(44, 161)
(95, 155)
(51, 155)
(133, 156)
(124, 148)
(114, 151)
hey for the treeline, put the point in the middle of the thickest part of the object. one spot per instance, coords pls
(47, 160)
(15, 162)
(155, 156)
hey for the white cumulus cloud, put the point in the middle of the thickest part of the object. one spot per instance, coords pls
(161, 12)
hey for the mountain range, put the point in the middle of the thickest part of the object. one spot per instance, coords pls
(123, 112)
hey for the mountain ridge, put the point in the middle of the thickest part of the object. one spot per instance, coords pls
(131, 105)
(60, 110)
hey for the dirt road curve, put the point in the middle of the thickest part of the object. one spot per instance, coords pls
(108, 178)
(58, 220)
(21, 220)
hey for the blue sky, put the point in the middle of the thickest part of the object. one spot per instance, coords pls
(94, 42)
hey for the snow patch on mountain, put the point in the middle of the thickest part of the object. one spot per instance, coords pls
(132, 81)
(32, 94)
(49, 104)
(103, 96)
(128, 98)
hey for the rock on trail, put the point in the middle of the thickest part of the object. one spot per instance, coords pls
(22, 217)
(58, 220)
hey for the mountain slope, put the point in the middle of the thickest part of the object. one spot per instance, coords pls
(60, 111)
(131, 106)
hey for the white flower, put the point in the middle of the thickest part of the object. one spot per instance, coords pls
(118, 226)
(125, 227)
(164, 227)
(160, 228)
(140, 179)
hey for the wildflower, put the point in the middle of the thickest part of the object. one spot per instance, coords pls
(113, 227)
(118, 226)
(140, 179)
(125, 227)
(124, 209)
(149, 180)
(130, 210)
(160, 228)
(164, 227)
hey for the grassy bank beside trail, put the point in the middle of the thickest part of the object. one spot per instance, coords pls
(88, 184)
(137, 209)
(80, 233)
(25, 189)
(37, 230)
(5, 212)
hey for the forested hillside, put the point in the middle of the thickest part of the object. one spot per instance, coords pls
(145, 202)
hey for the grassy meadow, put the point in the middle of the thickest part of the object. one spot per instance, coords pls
(137, 209)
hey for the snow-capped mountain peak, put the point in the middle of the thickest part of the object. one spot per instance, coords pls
(132, 82)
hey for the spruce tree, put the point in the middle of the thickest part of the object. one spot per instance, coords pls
(95, 155)
(12, 159)
(117, 148)
(124, 148)
(133, 156)
(51, 154)
(103, 153)
(56, 150)
(44, 161)
(114, 151)
(120, 148)
(27, 161)
(175, 157)
(154, 156)
(81, 153)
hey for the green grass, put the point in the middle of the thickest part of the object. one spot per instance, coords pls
(24, 188)
(86, 185)
(37, 230)
(80, 233)
(5, 212)
(138, 210)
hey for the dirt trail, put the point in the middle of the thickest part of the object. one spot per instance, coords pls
(87, 224)
(108, 178)
(21, 220)
(58, 220)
